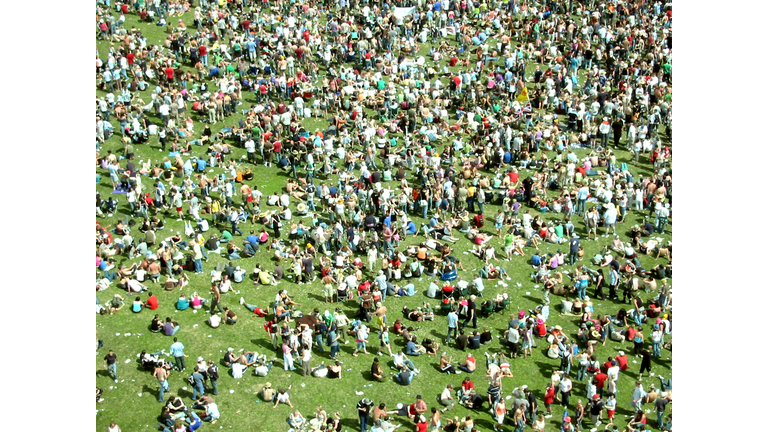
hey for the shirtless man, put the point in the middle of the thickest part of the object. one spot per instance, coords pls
(381, 314)
(154, 270)
(167, 259)
(162, 374)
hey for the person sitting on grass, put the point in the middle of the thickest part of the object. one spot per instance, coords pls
(283, 396)
(157, 324)
(182, 303)
(445, 364)
(170, 328)
(137, 305)
(268, 394)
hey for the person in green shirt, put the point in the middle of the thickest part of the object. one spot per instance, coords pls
(509, 244)
(226, 236)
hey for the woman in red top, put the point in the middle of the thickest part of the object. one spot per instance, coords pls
(549, 398)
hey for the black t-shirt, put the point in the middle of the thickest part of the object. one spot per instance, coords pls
(661, 404)
(110, 358)
(375, 369)
(474, 342)
(210, 244)
(595, 407)
(476, 401)
(362, 409)
(404, 375)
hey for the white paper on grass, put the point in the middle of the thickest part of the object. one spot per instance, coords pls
(117, 334)
(127, 334)
(231, 391)
(527, 293)
(184, 388)
(128, 361)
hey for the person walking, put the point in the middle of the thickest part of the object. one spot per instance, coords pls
(110, 361)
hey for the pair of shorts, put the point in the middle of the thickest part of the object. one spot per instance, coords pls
(178, 209)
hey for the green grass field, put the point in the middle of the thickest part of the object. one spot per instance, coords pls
(132, 401)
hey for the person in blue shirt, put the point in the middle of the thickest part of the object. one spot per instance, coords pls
(412, 349)
(536, 259)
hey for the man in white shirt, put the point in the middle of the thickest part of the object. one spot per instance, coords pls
(250, 148)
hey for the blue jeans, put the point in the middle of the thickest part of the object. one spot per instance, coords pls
(319, 342)
(112, 369)
(581, 372)
(455, 334)
(581, 205)
(656, 349)
(335, 349)
(363, 423)
(407, 381)
(198, 266)
(164, 387)
(581, 291)
(197, 389)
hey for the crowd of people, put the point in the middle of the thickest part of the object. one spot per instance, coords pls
(547, 111)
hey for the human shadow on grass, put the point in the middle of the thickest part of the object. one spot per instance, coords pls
(318, 298)
(104, 372)
(484, 424)
(264, 343)
(546, 368)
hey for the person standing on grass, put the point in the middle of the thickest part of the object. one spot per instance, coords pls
(453, 322)
(177, 351)
(162, 374)
(199, 383)
(110, 361)
(638, 395)
(565, 389)
(213, 376)
(215, 299)
(363, 413)
(287, 356)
